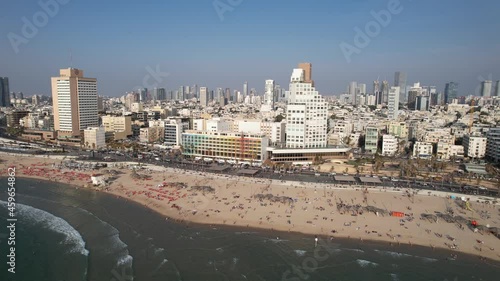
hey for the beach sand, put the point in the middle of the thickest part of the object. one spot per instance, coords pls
(314, 209)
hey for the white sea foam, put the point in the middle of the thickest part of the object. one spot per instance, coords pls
(300, 253)
(41, 218)
(354, 250)
(365, 263)
(125, 260)
(401, 255)
(393, 254)
(394, 277)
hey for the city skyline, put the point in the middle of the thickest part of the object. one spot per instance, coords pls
(467, 59)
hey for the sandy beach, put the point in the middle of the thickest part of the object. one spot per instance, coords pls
(316, 209)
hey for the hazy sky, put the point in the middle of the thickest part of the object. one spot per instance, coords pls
(116, 41)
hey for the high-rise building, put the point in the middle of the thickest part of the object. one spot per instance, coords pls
(362, 89)
(486, 88)
(393, 103)
(227, 94)
(497, 88)
(143, 95)
(306, 116)
(4, 92)
(422, 103)
(353, 92)
(245, 89)
(493, 144)
(385, 91)
(269, 95)
(181, 93)
(195, 90)
(35, 99)
(371, 139)
(400, 81)
(475, 146)
(74, 99)
(159, 94)
(307, 67)
(450, 92)
(204, 96)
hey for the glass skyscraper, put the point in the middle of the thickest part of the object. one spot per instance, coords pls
(450, 92)
(4, 92)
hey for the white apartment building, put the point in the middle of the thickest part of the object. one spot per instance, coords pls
(398, 129)
(493, 144)
(275, 131)
(343, 127)
(475, 146)
(393, 103)
(218, 125)
(121, 126)
(422, 150)
(268, 104)
(173, 133)
(446, 151)
(136, 107)
(437, 136)
(306, 120)
(151, 134)
(389, 145)
(94, 138)
(371, 139)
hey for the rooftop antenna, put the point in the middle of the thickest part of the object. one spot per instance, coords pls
(70, 58)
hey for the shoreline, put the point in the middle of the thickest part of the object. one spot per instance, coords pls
(201, 209)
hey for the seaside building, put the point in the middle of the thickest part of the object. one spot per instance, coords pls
(371, 139)
(173, 133)
(233, 146)
(493, 145)
(389, 145)
(474, 146)
(422, 150)
(307, 67)
(446, 151)
(120, 126)
(94, 138)
(275, 131)
(74, 99)
(151, 134)
(306, 120)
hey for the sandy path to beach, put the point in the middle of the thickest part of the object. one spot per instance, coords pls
(314, 210)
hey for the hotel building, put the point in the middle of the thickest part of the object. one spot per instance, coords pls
(74, 102)
(246, 147)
